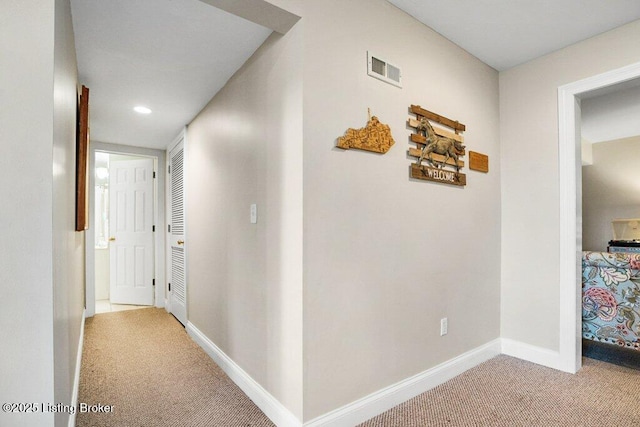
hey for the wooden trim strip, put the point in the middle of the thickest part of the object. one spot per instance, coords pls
(455, 125)
(414, 124)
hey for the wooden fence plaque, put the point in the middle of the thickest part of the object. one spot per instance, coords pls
(440, 148)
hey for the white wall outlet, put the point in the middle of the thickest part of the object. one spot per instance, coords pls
(444, 325)
(254, 213)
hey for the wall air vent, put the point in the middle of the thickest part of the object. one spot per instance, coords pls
(382, 70)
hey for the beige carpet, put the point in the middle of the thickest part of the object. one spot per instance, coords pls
(144, 364)
(510, 392)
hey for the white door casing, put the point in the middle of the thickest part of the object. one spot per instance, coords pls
(569, 149)
(177, 284)
(131, 242)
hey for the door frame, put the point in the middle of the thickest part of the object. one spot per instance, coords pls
(570, 186)
(159, 219)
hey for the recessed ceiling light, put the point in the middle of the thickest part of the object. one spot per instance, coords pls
(142, 110)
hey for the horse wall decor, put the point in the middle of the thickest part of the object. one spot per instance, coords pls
(440, 148)
(448, 147)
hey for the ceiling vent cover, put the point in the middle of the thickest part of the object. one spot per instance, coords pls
(382, 70)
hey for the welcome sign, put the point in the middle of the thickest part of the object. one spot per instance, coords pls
(438, 175)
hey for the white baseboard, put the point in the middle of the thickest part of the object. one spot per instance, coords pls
(76, 375)
(385, 399)
(382, 400)
(272, 408)
(531, 353)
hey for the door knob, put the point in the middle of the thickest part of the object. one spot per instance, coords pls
(112, 239)
(181, 242)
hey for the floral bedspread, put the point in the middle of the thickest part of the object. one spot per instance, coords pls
(611, 298)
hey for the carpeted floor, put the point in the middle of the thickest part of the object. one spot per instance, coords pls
(510, 392)
(144, 364)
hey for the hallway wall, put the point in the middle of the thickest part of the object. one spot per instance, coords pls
(386, 256)
(26, 369)
(245, 280)
(68, 245)
(43, 266)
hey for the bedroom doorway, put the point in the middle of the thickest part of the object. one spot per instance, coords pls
(570, 180)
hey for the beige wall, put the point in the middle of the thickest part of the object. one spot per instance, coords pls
(530, 193)
(68, 245)
(610, 190)
(26, 123)
(245, 280)
(43, 268)
(386, 257)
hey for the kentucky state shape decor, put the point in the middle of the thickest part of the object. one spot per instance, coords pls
(374, 137)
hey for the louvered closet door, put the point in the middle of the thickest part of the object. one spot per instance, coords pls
(177, 255)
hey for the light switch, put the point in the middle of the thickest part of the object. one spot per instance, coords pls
(254, 213)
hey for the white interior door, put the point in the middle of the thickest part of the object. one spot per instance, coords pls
(131, 251)
(177, 255)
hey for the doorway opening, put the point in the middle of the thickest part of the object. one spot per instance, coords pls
(570, 185)
(108, 269)
(125, 244)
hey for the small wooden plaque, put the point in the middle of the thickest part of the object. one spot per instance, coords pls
(478, 161)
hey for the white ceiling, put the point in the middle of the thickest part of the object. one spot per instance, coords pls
(505, 33)
(174, 55)
(169, 55)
